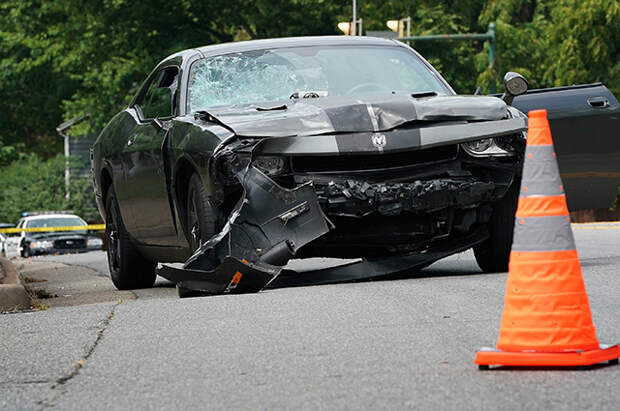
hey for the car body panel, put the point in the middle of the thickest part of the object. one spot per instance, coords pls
(585, 125)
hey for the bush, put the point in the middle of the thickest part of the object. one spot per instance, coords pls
(32, 184)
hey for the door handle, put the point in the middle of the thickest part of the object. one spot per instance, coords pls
(131, 140)
(598, 102)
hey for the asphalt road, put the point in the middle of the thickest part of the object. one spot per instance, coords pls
(405, 344)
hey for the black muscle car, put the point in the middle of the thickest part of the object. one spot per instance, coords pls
(236, 158)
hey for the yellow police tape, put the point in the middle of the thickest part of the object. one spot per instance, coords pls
(94, 227)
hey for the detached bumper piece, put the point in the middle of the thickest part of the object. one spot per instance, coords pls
(384, 268)
(265, 230)
(230, 277)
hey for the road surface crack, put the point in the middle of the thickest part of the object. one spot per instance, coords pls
(77, 366)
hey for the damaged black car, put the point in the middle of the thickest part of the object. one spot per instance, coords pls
(236, 158)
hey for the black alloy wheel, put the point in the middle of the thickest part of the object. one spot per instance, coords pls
(493, 254)
(128, 269)
(201, 223)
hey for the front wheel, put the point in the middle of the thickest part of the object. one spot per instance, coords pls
(25, 251)
(128, 269)
(201, 217)
(493, 255)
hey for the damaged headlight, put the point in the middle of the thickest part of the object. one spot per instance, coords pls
(271, 165)
(490, 147)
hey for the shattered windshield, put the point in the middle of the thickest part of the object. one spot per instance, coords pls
(55, 222)
(303, 72)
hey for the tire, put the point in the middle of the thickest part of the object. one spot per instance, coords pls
(493, 255)
(25, 252)
(128, 269)
(201, 218)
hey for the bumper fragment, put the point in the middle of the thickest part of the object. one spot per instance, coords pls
(266, 228)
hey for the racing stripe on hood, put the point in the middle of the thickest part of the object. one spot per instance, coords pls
(344, 114)
(394, 140)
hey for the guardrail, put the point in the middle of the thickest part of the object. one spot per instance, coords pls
(91, 227)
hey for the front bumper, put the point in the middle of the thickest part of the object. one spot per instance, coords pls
(397, 218)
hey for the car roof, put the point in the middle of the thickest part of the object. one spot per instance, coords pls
(44, 216)
(249, 45)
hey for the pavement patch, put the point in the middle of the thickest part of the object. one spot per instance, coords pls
(60, 285)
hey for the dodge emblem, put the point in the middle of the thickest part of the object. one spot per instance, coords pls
(378, 140)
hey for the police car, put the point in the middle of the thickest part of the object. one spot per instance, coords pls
(39, 236)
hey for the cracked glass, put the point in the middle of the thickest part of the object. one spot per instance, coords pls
(273, 75)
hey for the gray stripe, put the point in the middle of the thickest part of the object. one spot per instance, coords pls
(551, 233)
(537, 170)
(375, 127)
(373, 117)
(460, 133)
(541, 175)
(306, 145)
(542, 187)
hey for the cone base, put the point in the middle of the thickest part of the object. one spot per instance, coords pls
(485, 358)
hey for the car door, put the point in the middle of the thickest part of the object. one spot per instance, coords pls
(152, 220)
(585, 125)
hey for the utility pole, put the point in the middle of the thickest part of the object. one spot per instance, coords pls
(488, 36)
(355, 18)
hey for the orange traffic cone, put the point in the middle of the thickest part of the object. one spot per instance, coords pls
(546, 319)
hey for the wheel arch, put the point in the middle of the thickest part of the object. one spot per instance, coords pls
(183, 170)
(106, 182)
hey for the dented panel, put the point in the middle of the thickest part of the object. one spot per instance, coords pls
(350, 115)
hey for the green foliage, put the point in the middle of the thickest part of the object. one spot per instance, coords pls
(32, 184)
(62, 59)
(66, 58)
(556, 42)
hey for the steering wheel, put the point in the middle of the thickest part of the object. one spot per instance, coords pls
(371, 86)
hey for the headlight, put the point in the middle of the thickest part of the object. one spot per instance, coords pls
(94, 242)
(270, 165)
(41, 244)
(478, 146)
(490, 147)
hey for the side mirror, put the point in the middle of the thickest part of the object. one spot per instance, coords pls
(514, 85)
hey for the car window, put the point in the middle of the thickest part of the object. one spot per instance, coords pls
(55, 222)
(159, 100)
(295, 72)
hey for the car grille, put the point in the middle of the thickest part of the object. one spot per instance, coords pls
(368, 162)
(69, 244)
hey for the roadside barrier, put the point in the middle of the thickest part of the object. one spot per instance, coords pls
(546, 319)
(91, 227)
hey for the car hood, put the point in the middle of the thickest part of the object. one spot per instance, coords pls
(350, 115)
(68, 235)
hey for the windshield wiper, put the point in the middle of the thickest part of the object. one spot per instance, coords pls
(280, 107)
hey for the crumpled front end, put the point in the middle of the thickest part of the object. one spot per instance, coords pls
(399, 201)
(266, 228)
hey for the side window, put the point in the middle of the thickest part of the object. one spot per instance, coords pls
(160, 98)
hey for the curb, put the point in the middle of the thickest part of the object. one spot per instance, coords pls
(13, 295)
